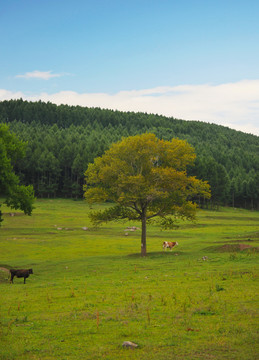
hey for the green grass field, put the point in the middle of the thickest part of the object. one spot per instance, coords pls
(91, 290)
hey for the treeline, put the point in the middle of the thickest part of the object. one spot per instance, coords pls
(63, 140)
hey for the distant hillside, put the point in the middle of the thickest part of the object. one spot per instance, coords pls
(63, 139)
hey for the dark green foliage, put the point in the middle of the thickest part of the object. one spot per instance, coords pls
(63, 140)
(15, 195)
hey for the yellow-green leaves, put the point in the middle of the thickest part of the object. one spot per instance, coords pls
(95, 195)
(142, 171)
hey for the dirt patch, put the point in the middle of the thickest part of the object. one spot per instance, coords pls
(233, 248)
(4, 269)
(4, 275)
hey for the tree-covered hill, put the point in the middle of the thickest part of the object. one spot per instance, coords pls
(63, 140)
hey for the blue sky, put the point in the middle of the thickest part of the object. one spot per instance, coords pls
(191, 59)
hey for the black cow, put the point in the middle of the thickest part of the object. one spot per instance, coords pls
(20, 273)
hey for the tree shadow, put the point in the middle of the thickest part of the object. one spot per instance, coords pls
(156, 254)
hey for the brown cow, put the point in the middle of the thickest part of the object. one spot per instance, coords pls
(20, 273)
(169, 244)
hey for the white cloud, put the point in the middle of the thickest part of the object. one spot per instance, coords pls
(44, 75)
(235, 105)
(8, 95)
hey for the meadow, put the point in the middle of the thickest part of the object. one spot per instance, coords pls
(91, 290)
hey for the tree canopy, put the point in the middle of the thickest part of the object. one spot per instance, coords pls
(16, 196)
(145, 177)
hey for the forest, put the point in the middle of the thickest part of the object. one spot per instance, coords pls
(62, 140)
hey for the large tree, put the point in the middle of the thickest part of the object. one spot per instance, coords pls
(146, 178)
(15, 195)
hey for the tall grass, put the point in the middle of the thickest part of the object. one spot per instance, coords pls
(91, 290)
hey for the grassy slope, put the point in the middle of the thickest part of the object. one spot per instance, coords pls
(91, 290)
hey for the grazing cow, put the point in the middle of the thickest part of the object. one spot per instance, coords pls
(169, 244)
(20, 273)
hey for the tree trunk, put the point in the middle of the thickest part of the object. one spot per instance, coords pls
(143, 235)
